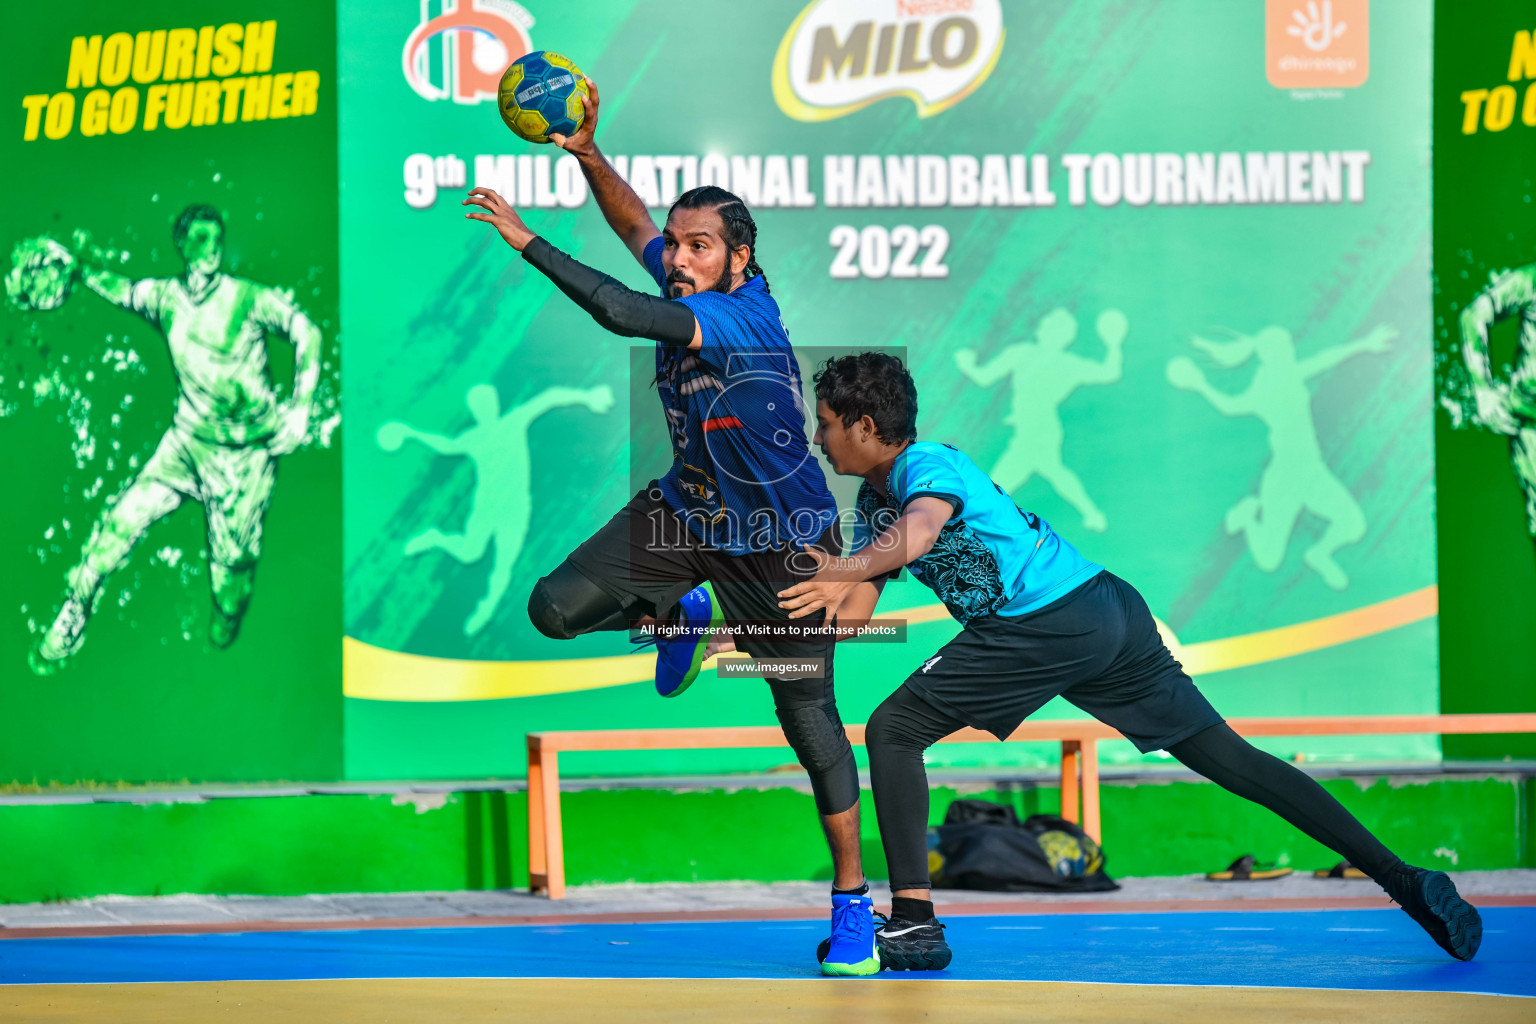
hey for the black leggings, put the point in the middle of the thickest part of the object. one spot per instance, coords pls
(566, 604)
(905, 725)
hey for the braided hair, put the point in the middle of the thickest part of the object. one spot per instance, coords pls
(737, 228)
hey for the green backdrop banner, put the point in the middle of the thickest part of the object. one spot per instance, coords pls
(170, 534)
(1485, 357)
(1160, 269)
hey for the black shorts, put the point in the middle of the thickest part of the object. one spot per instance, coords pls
(1098, 647)
(646, 558)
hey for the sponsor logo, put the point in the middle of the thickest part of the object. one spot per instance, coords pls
(931, 662)
(840, 56)
(1317, 44)
(460, 52)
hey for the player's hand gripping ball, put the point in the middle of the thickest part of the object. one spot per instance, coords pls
(541, 95)
(42, 271)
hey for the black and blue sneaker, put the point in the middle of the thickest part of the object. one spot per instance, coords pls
(851, 951)
(680, 655)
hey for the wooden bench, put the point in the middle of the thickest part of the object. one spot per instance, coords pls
(1079, 760)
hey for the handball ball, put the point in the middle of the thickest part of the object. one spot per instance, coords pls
(41, 272)
(541, 93)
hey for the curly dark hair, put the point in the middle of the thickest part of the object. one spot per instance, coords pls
(873, 384)
(195, 212)
(737, 226)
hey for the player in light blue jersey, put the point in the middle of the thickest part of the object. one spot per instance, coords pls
(1040, 621)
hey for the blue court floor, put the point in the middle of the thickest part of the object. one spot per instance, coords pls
(1329, 949)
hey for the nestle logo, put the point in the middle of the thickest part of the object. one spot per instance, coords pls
(918, 8)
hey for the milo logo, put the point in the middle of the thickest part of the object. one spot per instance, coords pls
(840, 56)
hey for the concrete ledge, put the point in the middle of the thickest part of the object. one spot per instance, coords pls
(703, 900)
(795, 779)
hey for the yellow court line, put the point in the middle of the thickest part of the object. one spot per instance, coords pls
(374, 673)
(742, 1001)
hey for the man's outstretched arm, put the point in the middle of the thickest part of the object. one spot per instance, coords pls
(851, 616)
(905, 541)
(615, 306)
(622, 208)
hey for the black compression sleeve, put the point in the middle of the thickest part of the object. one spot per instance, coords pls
(615, 307)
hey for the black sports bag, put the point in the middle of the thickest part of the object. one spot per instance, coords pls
(983, 845)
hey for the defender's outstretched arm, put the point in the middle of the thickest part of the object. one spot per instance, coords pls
(905, 541)
(853, 614)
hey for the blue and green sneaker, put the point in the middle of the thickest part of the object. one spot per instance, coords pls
(680, 656)
(851, 951)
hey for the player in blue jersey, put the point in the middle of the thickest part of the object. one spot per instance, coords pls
(744, 500)
(1040, 621)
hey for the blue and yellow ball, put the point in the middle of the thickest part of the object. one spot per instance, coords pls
(541, 94)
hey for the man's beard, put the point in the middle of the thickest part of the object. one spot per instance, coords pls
(677, 278)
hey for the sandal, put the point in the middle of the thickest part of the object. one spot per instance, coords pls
(1246, 869)
(1343, 869)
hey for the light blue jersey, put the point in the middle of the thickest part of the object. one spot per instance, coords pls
(992, 557)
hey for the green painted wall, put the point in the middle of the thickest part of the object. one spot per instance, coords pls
(291, 846)
(1484, 223)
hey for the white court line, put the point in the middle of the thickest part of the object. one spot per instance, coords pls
(1242, 929)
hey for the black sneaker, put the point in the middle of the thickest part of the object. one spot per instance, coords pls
(1430, 898)
(912, 945)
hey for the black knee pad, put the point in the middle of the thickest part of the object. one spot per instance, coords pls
(815, 732)
(545, 614)
(566, 604)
